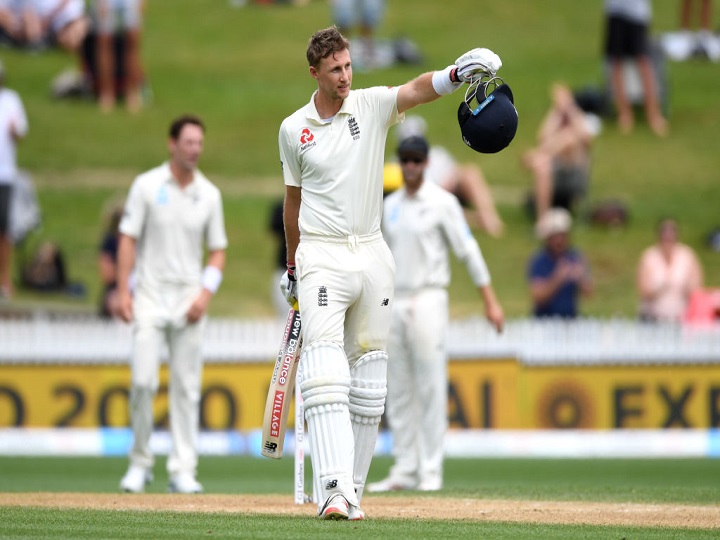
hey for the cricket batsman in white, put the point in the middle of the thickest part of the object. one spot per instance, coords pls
(340, 270)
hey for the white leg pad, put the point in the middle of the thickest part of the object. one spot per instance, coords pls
(325, 387)
(368, 388)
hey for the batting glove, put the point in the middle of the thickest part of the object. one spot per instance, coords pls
(476, 63)
(288, 286)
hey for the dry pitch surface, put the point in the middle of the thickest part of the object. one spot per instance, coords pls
(554, 512)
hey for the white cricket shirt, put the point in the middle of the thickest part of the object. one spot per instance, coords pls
(171, 225)
(11, 112)
(420, 230)
(339, 165)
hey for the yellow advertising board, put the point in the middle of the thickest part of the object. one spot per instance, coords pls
(621, 397)
(233, 396)
(482, 394)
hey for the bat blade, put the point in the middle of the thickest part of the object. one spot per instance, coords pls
(280, 391)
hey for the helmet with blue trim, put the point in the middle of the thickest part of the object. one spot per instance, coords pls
(489, 126)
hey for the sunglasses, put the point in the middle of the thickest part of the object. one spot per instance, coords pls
(416, 160)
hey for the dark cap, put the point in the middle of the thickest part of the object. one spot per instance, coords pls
(415, 146)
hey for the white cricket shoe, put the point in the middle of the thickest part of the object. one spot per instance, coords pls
(355, 513)
(391, 484)
(335, 508)
(135, 479)
(430, 485)
(184, 483)
(709, 44)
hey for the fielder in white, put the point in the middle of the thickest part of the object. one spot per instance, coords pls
(172, 213)
(339, 268)
(422, 222)
(13, 128)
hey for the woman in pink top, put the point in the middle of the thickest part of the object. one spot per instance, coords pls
(668, 273)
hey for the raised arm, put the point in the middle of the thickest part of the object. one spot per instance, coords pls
(430, 86)
(416, 92)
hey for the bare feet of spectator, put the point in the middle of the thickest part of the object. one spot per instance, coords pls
(626, 123)
(658, 125)
(133, 102)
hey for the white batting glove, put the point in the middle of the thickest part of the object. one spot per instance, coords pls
(288, 287)
(476, 63)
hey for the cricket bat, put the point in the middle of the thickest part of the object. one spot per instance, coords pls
(280, 393)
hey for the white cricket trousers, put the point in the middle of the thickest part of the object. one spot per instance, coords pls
(345, 292)
(416, 406)
(160, 321)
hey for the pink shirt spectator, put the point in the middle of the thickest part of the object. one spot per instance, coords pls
(668, 273)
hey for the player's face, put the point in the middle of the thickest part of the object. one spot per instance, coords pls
(334, 75)
(413, 167)
(185, 151)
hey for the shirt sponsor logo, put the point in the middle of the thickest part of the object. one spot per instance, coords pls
(307, 139)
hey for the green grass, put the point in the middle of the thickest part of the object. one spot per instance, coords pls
(682, 481)
(685, 481)
(96, 524)
(244, 70)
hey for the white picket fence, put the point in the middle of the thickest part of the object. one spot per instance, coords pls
(86, 340)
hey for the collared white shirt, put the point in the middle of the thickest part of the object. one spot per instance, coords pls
(11, 112)
(339, 164)
(420, 231)
(171, 226)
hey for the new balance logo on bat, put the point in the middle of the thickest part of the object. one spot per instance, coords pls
(271, 447)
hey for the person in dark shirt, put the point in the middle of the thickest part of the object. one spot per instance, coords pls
(558, 273)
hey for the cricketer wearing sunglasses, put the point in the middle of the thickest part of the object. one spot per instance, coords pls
(422, 223)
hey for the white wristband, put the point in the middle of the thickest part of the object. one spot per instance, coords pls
(211, 278)
(441, 81)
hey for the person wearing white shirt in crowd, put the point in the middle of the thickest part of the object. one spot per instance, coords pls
(56, 21)
(422, 223)
(13, 127)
